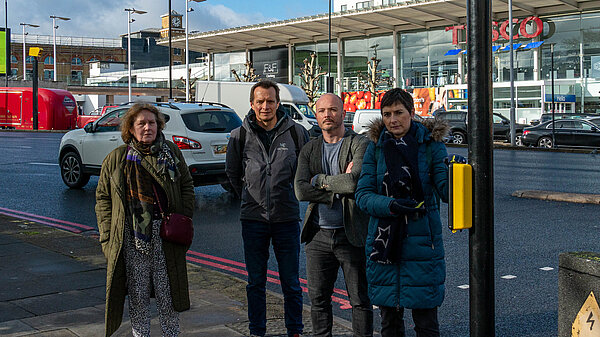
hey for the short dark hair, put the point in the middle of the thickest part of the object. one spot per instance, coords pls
(398, 95)
(131, 115)
(265, 84)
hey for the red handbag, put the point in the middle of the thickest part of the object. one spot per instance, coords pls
(175, 227)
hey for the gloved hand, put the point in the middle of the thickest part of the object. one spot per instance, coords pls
(406, 206)
(455, 159)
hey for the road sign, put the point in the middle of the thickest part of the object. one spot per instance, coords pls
(587, 322)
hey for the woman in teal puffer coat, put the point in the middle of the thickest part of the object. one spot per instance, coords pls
(403, 177)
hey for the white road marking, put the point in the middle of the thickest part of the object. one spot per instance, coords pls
(464, 286)
(546, 268)
(44, 164)
(508, 277)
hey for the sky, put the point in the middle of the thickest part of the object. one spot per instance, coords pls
(107, 18)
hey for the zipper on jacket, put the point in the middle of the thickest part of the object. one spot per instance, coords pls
(398, 296)
(267, 158)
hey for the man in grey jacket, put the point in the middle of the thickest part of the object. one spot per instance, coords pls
(261, 163)
(334, 228)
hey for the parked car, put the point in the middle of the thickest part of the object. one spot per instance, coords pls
(201, 131)
(595, 120)
(568, 132)
(546, 117)
(362, 117)
(458, 126)
(82, 120)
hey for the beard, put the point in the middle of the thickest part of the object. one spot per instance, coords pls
(331, 125)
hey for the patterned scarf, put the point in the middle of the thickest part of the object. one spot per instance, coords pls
(401, 181)
(140, 194)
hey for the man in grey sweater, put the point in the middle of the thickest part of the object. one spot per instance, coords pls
(334, 228)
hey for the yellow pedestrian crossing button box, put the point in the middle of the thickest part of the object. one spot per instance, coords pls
(460, 205)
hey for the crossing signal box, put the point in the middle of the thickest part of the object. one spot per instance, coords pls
(460, 205)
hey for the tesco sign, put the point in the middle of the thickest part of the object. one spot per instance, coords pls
(500, 30)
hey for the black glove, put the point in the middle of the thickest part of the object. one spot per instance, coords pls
(406, 206)
(455, 159)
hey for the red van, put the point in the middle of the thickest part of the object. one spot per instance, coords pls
(57, 109)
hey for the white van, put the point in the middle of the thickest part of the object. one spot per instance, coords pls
(362, 117)
(236, 95)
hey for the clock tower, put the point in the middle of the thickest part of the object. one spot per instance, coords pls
(175, 20)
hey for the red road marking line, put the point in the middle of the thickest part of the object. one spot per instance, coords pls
(345, 304)
(240, 264)
(47, 218)
(67, 228)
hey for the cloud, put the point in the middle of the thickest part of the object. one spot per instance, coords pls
(107, 18)
(215, 17)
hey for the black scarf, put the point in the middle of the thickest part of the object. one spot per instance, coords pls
(401, 182)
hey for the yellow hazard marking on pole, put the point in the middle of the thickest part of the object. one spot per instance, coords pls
(587, 322)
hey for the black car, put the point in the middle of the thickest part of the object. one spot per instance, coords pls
(458, 126)
(546, 117)
(568, 132)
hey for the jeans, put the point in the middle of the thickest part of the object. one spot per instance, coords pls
(285, 237)
(325, 253)
(426, 322)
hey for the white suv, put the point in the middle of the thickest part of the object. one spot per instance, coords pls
(200, 130)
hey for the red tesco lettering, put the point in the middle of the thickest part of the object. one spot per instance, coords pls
(501, 30)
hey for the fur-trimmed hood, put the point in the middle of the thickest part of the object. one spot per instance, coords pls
(436, 128)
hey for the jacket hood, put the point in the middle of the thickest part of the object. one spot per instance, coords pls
(436, 129)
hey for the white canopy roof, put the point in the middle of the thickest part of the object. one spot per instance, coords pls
(416, 14)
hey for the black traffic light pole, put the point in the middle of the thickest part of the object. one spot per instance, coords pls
(35, 93)
(481, 236)
(170, 57)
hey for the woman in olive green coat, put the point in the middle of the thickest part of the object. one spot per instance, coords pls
(135, 178)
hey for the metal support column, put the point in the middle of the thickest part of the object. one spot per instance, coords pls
(170, 55)
(481, 236)
(340, 66)
(582, 76)
(552, 83)
(395, 58)
(290, 63)
(512, 76)
(209, 57)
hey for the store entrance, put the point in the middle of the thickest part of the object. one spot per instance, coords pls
(560, 107)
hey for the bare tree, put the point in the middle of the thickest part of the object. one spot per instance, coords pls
(374, 77)
(248, 76)
(192, 88)
(309, 76)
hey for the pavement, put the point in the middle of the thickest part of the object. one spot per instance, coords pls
(52, 283)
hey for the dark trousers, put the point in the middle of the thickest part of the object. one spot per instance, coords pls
(426, 322)
(286, 245)
(325, 253)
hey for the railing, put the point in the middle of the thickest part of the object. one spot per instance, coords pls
(67, 41)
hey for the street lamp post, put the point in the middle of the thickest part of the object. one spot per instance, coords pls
(129, 21)
(24, 51)
(54, 27)
(187, 52)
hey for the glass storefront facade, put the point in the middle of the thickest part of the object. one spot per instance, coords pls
(434, 60)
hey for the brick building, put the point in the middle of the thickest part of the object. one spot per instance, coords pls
(75, 53)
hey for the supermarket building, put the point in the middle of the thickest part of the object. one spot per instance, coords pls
(422, 45)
